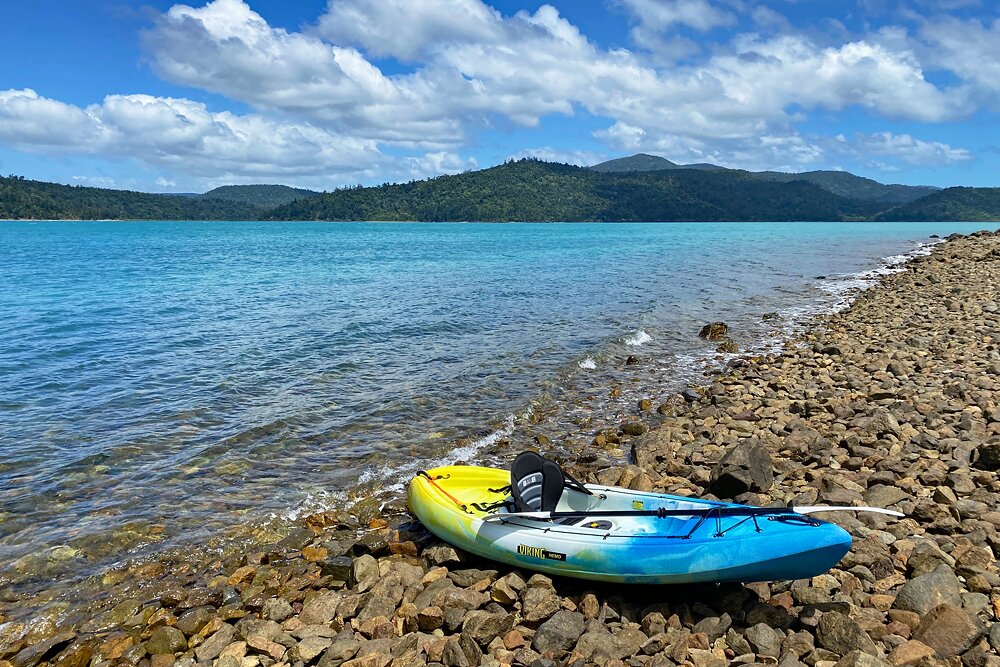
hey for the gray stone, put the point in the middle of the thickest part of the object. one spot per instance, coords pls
(213, 646)
(277, 609)
(923, 593)
(484, 627)
(714, 626)
(559, 633)
(310, 647)
(764, 640)
(364, 572)
(744, 467)
(322, 608)
(340, 651)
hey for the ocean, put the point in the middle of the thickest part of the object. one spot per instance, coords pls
(170, 385)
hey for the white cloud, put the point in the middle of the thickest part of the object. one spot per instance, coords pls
(180, 134)
(912, 151)
(663, 14)
(549, 154)
(405, 30)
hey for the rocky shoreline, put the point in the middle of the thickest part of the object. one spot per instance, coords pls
(892, 402)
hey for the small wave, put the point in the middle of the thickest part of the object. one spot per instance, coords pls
(640, 337)
(394, 479)
(588, 364)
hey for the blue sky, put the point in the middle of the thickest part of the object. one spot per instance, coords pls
(164, 96)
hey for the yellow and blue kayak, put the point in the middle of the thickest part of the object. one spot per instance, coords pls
(621, 535)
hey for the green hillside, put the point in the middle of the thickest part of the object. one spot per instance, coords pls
(21, 198)
(853, 187)
(951, 204)
(637, 162)
(265, 196)
(531, 190)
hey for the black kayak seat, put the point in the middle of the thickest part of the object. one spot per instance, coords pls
(537, 483)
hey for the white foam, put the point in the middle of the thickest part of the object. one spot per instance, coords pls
(588, 364)
(640, 337)
(395, 478)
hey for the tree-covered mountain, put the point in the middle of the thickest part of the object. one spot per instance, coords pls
(265, 196)
(853, 187)
(21, 198)
(646, 162)
(951, 204)
(531, 190)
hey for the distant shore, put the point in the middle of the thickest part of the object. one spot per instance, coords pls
(891, 402)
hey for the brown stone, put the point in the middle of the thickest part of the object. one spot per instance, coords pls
(315, 554)
(910, 653)
(949, 630)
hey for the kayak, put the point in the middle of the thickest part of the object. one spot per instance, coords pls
(613, 534)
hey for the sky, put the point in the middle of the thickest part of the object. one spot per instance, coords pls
(167, 97)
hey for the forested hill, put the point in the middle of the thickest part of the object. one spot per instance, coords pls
(531, 190)
(951, 204)
(265, 196)
(20, 199)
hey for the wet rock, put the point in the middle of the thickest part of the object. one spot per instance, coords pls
(949, 630)
(744, 467)
(39, 651)
(714, 331)
(559, 633)
(166, 640)
(193, 620)
(338, 567)
(923, 593)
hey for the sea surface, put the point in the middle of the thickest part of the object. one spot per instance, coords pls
(171, 384)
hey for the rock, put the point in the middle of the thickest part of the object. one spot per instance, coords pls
(441, 555)
(338, 567)
(310, 647)
(714, 626)
(193, 620)
(703, 658)
(39, 651)
(764, 640)
(714, 331)
(988, 456)
(910, 653)
(166, 640)
(882, 495)
(559, 633)
(322, 608)
(860, 659)
(949, 630)
(276, 609)
(923, 593)
(484, 627)
(430, 618)
(842, 635)
(539, 603)
(341, 650)
(364, 572)
(213, 646)
(744, 467)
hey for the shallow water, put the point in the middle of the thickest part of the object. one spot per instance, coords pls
(162, 383)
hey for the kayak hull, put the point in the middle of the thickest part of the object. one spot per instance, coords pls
(640, 550)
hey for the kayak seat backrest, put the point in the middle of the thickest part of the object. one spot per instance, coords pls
(536, 483)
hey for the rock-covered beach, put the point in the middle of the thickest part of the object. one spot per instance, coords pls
(893, 402)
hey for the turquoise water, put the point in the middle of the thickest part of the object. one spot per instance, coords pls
(162, 383)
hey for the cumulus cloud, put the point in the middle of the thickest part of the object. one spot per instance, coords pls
(321, 105)
(907, 149)
(179, 133)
